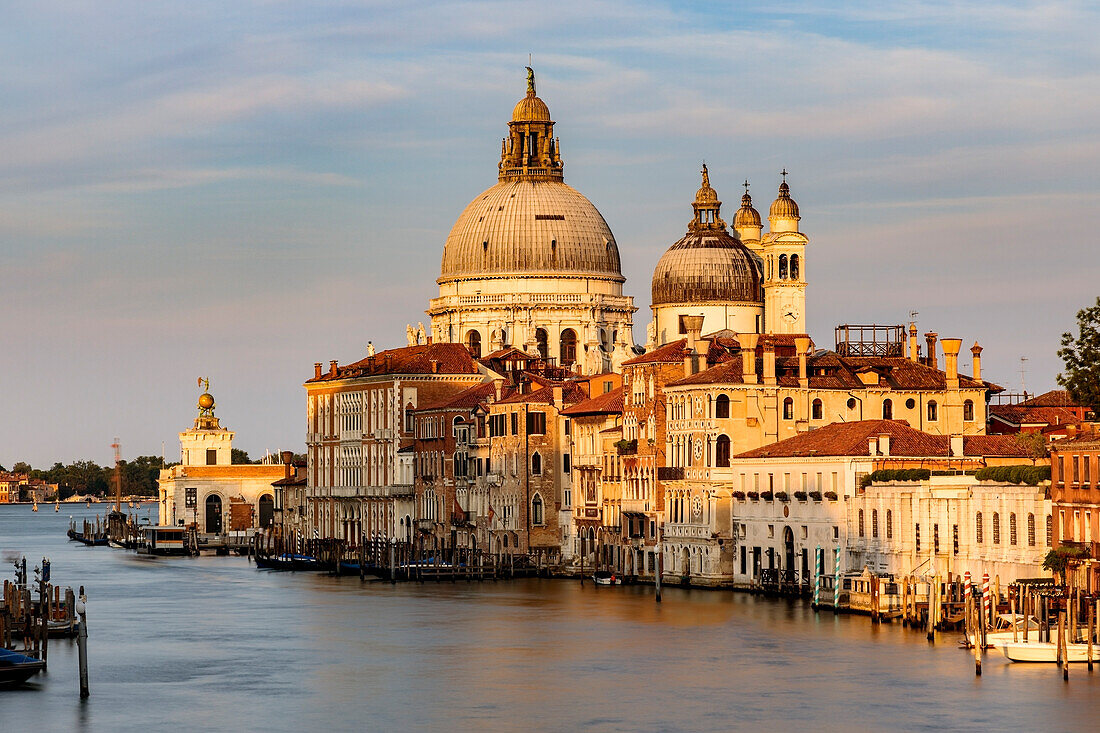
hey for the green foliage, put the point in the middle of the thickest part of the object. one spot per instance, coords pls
(1061, 558)
(139, 477)
(1081, 356)
(815, 495)
(238, 457)
(21, 467)
(782, 496)
(627, 447)
(754, 495)
(1030, 475)
(830, 495)
(1035, 444)
(766, 495)
(894, 474)
(800, 495)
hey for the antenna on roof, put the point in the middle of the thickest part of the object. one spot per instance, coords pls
(913, 316)
(1023, 373)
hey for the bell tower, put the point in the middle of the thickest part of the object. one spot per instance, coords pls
(784, 252)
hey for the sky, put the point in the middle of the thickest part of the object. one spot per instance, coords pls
(239, 190)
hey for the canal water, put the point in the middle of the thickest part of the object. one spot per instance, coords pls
(214, 644)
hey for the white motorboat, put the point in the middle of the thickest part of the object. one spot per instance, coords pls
(605, 578)
(1001, 632)
(1042, 651)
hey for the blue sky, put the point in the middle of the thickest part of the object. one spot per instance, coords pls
(238, 190)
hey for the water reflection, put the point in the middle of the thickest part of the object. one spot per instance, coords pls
(213, 643)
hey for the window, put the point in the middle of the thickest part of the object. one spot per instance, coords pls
(567, 348)
(979, 529)
(874, 523)
(968, 411)
(910, 403)
(515, 423)
(936, 538)
(723, 452)
(794, 267)
(1031, 530)
(788, 409)
(1012, 528)
(861, 523)
(211, 457)
(541, 341)
(851, 403)
(536, 464)
(1050, 529)
(473, 343)
(916, 536)
(887, 409)
(889, 525)
(933, 411)
(815, 410)
(782, 267)
(536, 509)
(722, 406)
(565, 463)
(536, 423)
(955, 538)
(996, 528)
(1076, 467)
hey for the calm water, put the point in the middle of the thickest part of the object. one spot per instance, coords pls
(212, 643)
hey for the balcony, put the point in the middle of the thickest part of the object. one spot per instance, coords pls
(687, 531)
(670, 473)
(627, 447)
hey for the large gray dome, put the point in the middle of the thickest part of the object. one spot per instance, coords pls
(707, 266)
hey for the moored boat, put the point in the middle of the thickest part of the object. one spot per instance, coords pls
(1036, 651)
(1001, 633)
(603, 577)
(16, 668)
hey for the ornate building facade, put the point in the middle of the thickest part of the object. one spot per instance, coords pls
(531, 262)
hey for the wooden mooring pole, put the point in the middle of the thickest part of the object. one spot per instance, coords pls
(82, 644)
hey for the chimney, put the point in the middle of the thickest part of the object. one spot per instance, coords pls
(287, 457)
(689, 363)
(429, 340)
(802, 346)
(956, 446)
(977, 352)
(435, 366)
(884, 443)
(498, 385)
(951, 361)
(694, 327)
(559, 397)
(389, 360)
(332, 365)
(914, 350)
(930, 359)
(769, 361)
(316, 370)
(748, 356)
(872, 446)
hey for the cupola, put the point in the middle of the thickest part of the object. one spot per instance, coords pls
(783, 215)
(746, 222)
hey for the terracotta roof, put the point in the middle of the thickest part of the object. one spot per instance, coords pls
(451, 359)
(571, 393)
(1053, 398)
(464, 400)
(718, 351)
(850, 439)
(511, 353)
(606, 404)
(1021, 414)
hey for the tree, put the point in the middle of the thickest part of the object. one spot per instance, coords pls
(1081, 356)
(239, 456)
(1034, 443)
(1062, 559)
(21, 467)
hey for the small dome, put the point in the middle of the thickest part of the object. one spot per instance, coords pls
(746, 217)
(531, 109)
(784, 206)
(706, 267)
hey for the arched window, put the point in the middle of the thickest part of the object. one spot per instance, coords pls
(874, 523)
(979, 530)
(860, 522)
(473, 343)
(933, 411)
(996, 528)
(536, 510)
(815, 410)
(1031, 530)
(722, 406)
(887, 409)
(1012, 528)
(788, 409)
(782, 267)
(794, 267)
(541, 343)
(536, 464)
(968, 411)
(723, 452)
(889, 525)
(568, 348)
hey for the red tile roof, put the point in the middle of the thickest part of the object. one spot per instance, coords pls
(451, 359)
(609, 403)
(1053, 398)
(851, 438)
(1022, 414)
(571, 393)
(467, 399)
(718, 351)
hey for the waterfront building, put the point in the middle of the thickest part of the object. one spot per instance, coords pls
(531, 263)
(16, 487)
(206, 489)
(290, 499)
(1075, 495)
(597, 432)
(760, 516)
(950, 524)
(360, 431)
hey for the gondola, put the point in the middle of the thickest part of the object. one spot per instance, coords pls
(289, 561)
(16, 668)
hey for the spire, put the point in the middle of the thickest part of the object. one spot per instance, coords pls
(530, 152)
(707, 207)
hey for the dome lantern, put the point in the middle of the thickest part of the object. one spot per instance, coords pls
(783, 214)
(530, 152)
(707, 208)
(746, 222)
